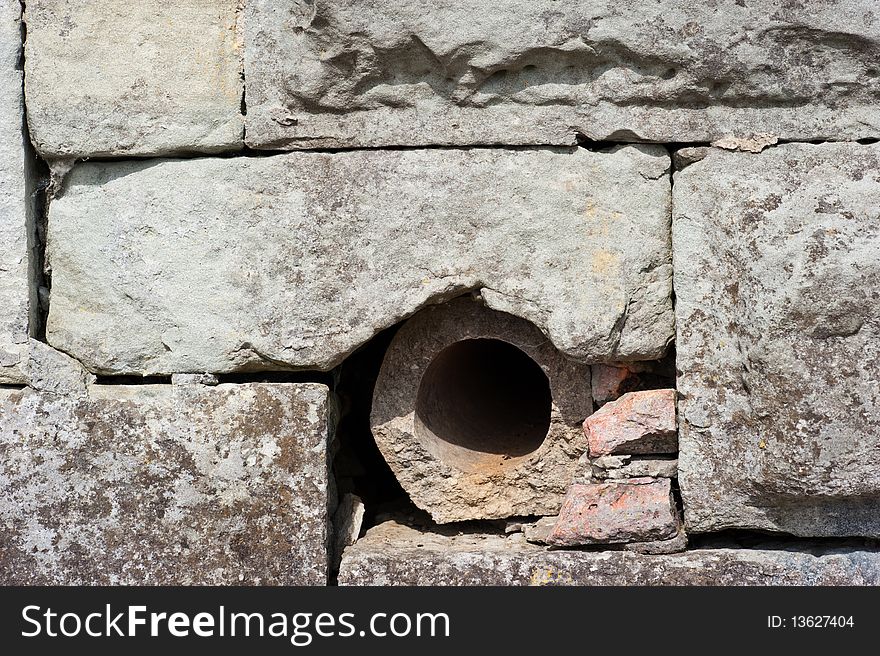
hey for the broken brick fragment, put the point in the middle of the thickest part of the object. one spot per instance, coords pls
(637, 423)
(610, 382)
(632, 510)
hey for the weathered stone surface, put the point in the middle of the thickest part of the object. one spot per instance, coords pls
(615, 467)
(391, 554)
(54, 372)
(48, 370)
(478, 415)
(754, 143)
(777, 277)
(16, 207)
(342, 72)
(631, 510)
(347, 522)
(214, 265)
(637, 422)
(133, 78)
(164, 485)
(538, 532)
(675, 544)
(684, 157)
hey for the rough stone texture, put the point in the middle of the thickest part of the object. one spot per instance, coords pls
(164, 484)
(538, 532)
(16, 207)
(347, 522)
(631, 510)
(216, 265)
(777, 278)
(751, 144)
(54, 372)
(391, 554)
(637, 422)
(447, 464)
(118, 77)
(48, 370)
(616, 467)
(342, 72)
(684, 157)
(675, 544)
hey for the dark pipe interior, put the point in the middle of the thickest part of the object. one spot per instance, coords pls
(483, 396)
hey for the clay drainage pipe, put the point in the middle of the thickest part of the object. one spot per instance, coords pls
(478, 415)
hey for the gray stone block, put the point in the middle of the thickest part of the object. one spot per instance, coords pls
(391, 554)
(293, 261)
(116, 77)
(342, 73)
(162, 484)
(777, 272)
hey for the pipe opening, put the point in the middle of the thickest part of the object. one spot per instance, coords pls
(483, 404)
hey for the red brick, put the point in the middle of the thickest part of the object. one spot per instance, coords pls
(634, 510)
(636, 423)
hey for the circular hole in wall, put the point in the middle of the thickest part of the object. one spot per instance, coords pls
(482, 404)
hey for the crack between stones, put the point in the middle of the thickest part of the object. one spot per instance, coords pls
(745, 540)
(299, 377)
(253, 153)
(671, 173)
(36, 175)
(19, 66)
(327, 378)
(741, 540)
(287, 376)
(242, 72)
(248, 152)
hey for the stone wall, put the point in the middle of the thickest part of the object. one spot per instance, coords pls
(319, 291)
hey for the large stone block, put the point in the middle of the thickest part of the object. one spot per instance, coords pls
(478, 415)
(133, 78)
(17, 300)
(163, 484)
(295, 260)
(391, 554)
(777, 280)
(343, 73)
